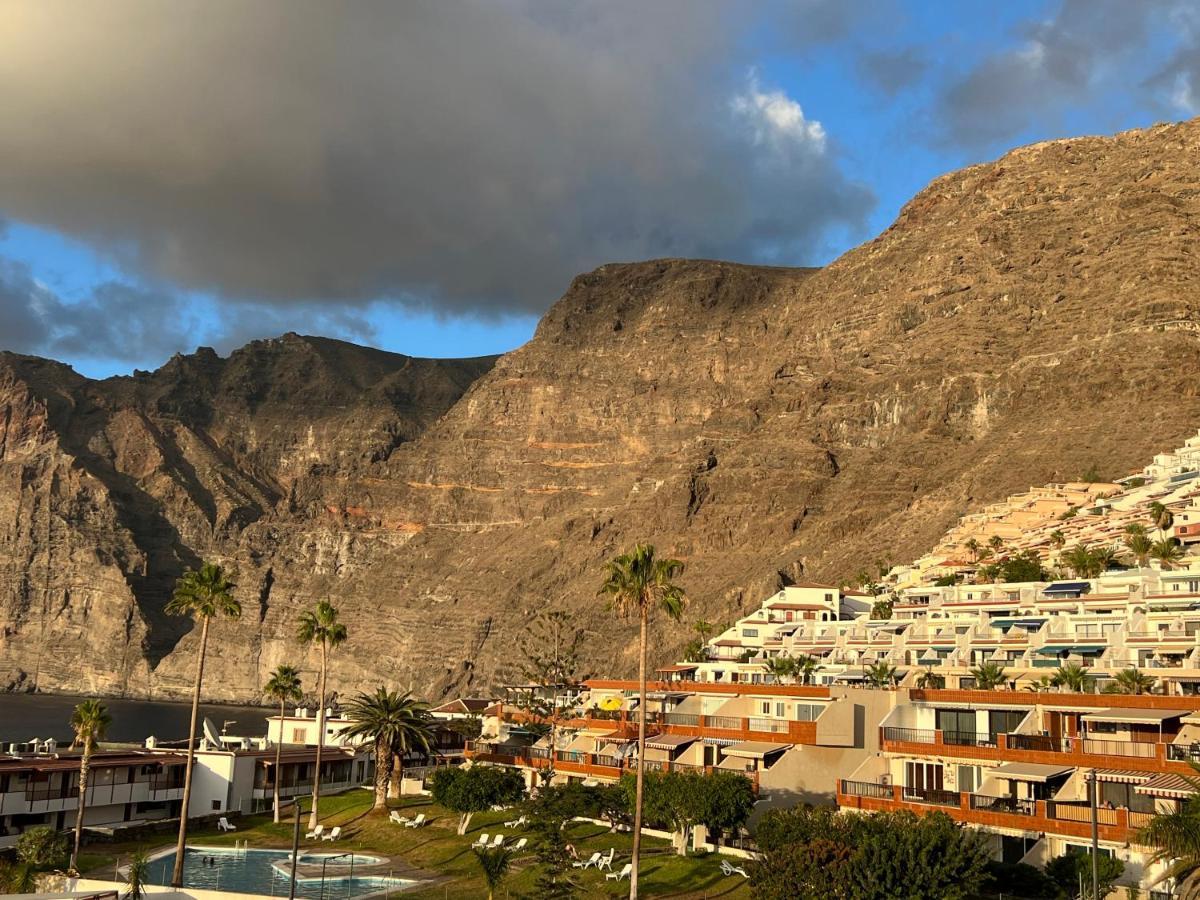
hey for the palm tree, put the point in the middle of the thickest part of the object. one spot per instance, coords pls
(973, 547)
(705, 629)
(283, 686)
(995, 542)
(1166, 552)
(805, 667)
(137, 875)
(1057, 539)
(1176, 837)
(1042, 685)
(395, 722)
(931, 680)
(1081, 560)
(1130, 681)
(1104, 558)
(89, 721)
(320, 626)
(1136, 528)
(494, 865)
(204, 593)
(988, 676)
(1161, 517)
(880, 675)
(1139, 546)
(637, 583)
(1073, 677)
(781, 667)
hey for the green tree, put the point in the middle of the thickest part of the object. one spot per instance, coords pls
(880, 675)
(203, 594)
(89, 722)
(467, 791)
(1057, 539)
(1175, 836)
(724, 802)
(283, 686)
(1161, 517)
(989, 676)
(1023, 566)
(1074, 868)
(781, 667)
(1130, 681)
(320, 627)
(42, 848)
(678, 801)
(394, 723)
(551, 660)
(1083, 561)
(493, 865)
(17, 878)
(882, 609)
(930, 680)
(806, 667)
(1166, 552)
(1106, 558)
(637, 583)
(973, 547)
(1072, 677)
(996, 543)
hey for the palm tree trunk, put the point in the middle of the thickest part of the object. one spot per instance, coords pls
(641, 770)
(396, 787)
(278, 750)
(383, 772)
(313, 818)
(84, 763)
(181, 843)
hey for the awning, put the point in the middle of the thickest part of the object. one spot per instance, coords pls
(1071, 648)
(1119, 776)
(1170, 785)
(1030, 771)
(678, 668)
(665, 695)
(850, 676)
(719, 742)
(1134, 716)
(669, 741)
(755, 749)
(1067, 587)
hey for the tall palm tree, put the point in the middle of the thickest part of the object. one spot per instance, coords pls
(1139, 546)
(1136, 528)
(1073, 677)
(1081, 560)
(781, 667)
(494, 864)
(989, 676)
(284, 686)
(1166, 552)
(1104, 558)
(203, 594)
(995, 542)
(1176, 837)
(89, 721)
(1057, 539)
(805, 667)
(637, 583)
(320, 626)
(1161, 517)
(1130, 681)
(396, 723)
(973, 547)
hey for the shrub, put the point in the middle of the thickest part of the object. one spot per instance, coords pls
(43, 848)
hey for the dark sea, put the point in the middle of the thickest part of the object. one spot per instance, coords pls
(27, 716)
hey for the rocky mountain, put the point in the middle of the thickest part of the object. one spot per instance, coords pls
(1021, 322)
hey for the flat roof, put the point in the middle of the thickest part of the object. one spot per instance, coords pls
(1134, 716)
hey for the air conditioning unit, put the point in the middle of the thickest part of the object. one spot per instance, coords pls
(885, 780)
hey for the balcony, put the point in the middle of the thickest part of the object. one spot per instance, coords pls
(1033, 816)
(573, 762)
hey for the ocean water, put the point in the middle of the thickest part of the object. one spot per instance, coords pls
(26, 716)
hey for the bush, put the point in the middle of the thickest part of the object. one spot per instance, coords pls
(43, 848)
(1021, 879)
(1070, 869)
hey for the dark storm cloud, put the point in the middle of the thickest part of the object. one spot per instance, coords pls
(1072, 58)
(116, 321)
(891, 72)
(472, 156)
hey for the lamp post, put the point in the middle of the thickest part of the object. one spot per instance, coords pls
(1094, 801)
(325, 861)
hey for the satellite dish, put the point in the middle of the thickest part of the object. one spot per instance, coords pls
(210, 732)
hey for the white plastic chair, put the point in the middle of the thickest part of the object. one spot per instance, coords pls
(593, 860)
(606, 861)
(316, 832)
(395, 816)
(520, 845)
(418, 822)
(728, 869)
(223, 824)
(516, 823)
(483, 841)
(333, 835)
(625, 872)
(497, 842)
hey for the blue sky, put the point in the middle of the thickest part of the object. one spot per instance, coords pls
(428, 179)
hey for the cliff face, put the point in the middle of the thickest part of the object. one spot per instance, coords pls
(1020, 322)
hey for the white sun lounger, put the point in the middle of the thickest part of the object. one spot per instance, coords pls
(593, 860)
(625, 872)
(316, 832)
(483, 841)
(419, 822)
(223, 824)
(728, 869)
(333, 835)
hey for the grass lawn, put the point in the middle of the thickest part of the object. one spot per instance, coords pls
(438, 850)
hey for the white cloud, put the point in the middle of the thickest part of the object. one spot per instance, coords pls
(775, 118)
(1182, 95)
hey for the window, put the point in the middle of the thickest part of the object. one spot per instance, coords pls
(765, 707)
(749, 632)
(781, 710)
(920, 777)
(829, 598)
(299, 735)
(216, 805)
(968, 778)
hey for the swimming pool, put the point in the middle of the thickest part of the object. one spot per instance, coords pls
(267, 872)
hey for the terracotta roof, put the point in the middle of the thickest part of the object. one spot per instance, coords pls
(797, 606)
(814, 584)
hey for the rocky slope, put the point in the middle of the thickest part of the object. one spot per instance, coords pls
(1020, 322)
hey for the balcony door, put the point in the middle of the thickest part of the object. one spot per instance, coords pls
(956, 725)
(922, 777)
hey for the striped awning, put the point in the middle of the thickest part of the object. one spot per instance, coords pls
(1168, 784)
(1120, 776)
(720, 742)
(669, 741)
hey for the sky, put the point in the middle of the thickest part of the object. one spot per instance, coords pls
(428, 176)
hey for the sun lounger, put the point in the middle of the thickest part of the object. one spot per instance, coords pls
(333, 835)
(593, 860)
(516, 823)
(316, 832)
(223, 824)
(497, 842)
(395, 816)
(729, 869)
(483, 841)
(419, 822)
(625, 872)
(520, 845)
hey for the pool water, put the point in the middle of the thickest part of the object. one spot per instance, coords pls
(256, 872)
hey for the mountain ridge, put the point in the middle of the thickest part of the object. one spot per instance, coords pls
(1021, 321)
